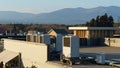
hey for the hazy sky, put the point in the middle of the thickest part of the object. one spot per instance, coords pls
(41, 6)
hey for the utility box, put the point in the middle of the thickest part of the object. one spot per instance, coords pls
(44, 39)
(70, 49)
(100, 58)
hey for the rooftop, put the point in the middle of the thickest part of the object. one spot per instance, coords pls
(59, 31)
(6, 56)
(93, 28)
(25, 42)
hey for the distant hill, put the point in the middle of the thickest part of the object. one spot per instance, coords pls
(63, 16)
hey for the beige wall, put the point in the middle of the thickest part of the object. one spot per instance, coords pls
(93, 33)
(52, 33)
(75, 32)
(32, 53)
(114, 42)
(81, 33)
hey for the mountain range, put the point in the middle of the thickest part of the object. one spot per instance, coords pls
(63, 16)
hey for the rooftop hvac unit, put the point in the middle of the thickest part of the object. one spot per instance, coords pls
(28, 37)
(71, 46)
(44, 39)
(34, 38)
(56, 42)
(31, 38)
(70, 53)
(55, 48)
(58, 46)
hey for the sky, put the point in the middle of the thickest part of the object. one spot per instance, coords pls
(43, 6)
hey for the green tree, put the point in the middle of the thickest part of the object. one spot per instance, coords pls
(101, 21)
(87, 24)
(97, 21)
(111, 21)
(104, 20)
(93, 23)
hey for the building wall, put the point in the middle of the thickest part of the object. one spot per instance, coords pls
(93, 33)
(93, 37)
(101, 33)
(81, 33)
(113, 42)
(75, 32)
(32, 53)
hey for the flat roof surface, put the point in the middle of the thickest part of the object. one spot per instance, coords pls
(102, 49)
(58, 64)
(93, 28)
(26, 42)
(6, 56)
(110, 52)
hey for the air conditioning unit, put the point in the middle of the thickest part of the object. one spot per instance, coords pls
(56, 42)
(32, 36)
(44, 38)
(71, 46)
(58, 45)
(71, 50)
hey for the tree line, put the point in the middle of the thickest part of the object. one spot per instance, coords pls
(26, 27)
(101, 21)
